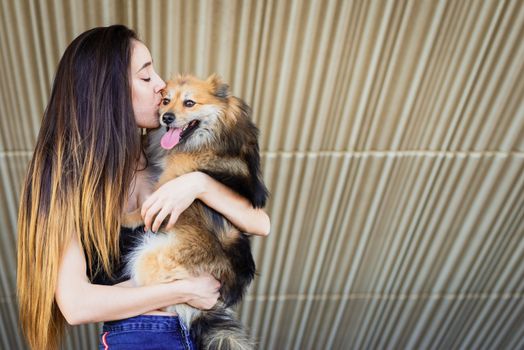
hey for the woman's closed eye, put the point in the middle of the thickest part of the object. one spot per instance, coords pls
(146, 79)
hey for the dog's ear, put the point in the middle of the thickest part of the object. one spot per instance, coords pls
(258, 191)
(220, 89)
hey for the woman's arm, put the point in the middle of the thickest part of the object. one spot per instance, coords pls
(176, 195)
(83, 302)
(234, 207)
(126, 284)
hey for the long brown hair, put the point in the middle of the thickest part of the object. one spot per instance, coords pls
(79, 176)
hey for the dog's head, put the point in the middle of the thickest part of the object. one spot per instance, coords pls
(202, 116)
(198, 113)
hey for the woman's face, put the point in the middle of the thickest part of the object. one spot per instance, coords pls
(146, 86)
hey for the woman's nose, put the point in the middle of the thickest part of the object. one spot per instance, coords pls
(161, 85)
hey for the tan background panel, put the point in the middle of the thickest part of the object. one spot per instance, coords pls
(392, 135)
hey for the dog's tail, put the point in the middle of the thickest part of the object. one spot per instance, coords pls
(218, 329)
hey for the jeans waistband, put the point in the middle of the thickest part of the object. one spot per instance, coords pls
(144, 322)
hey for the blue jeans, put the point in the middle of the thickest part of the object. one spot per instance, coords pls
(146, 332)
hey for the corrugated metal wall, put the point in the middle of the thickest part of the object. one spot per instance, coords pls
(393, 145)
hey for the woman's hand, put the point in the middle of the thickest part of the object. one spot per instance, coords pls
(203, 291)
(172, 198)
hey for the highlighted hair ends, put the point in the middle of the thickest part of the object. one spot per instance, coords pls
(78, 179)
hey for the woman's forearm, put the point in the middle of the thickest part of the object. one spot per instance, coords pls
(83, 302)
(89, 303)
(234, 207)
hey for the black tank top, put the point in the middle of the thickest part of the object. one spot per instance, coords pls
(129, 238)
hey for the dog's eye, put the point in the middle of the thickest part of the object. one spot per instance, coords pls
(165, 101)
(189, 103)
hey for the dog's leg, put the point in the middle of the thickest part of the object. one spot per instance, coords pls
(154, 260)
(177, 164)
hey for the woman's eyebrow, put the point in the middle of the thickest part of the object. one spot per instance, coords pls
(144, 66)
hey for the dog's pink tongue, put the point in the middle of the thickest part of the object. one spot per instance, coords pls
(171, 138)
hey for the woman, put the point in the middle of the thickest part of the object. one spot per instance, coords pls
(86, 171)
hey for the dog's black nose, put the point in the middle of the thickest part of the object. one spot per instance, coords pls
(168, 118)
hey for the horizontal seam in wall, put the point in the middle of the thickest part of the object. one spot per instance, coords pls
(15, 153)
(365, 296)
(386, 296)
(447, 154)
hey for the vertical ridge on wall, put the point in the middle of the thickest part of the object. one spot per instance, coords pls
(392, 139)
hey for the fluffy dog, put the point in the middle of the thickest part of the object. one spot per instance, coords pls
(204, 129)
